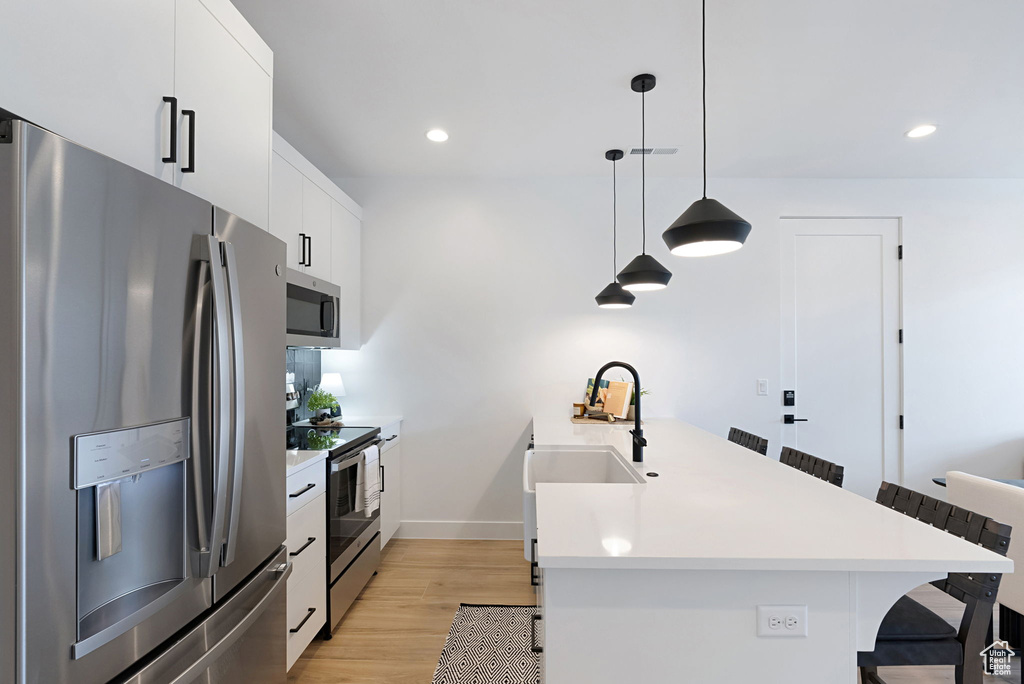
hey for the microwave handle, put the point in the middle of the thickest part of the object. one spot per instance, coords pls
(328, 320)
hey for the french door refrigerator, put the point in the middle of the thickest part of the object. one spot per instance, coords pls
(142, 494)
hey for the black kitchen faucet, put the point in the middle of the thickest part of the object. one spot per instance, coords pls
(638, 434)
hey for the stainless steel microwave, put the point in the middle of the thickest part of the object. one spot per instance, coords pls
(314, 311)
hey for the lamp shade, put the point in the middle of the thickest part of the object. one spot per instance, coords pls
(644, 273)
(705, 229)
(614, 297)
(331, 382)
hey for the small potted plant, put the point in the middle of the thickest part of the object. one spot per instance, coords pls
(321, 403)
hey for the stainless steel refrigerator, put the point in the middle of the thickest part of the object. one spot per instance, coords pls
(142, 514)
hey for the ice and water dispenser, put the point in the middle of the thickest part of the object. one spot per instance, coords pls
(132, 487)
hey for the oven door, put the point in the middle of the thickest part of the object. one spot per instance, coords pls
(353, 509)
(313, 313)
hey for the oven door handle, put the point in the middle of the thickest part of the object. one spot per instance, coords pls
(346, 463)
(349, 461)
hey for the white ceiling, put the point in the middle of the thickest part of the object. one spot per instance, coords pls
(797, 88)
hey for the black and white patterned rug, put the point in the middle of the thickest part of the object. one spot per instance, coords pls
(489, 645)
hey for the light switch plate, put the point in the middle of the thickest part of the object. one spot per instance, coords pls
(762, 387)
(782, 621)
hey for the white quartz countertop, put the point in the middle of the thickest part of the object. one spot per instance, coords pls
(300, 459)
(717, 505)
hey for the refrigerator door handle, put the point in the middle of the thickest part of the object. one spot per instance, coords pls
(210, 554)
(238, 402)
(198, 347)
(229, 639)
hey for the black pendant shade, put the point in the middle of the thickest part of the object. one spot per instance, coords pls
(643, 274)
(705, 229)
(614, 297)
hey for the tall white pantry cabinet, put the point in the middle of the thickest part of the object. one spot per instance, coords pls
(128, 78)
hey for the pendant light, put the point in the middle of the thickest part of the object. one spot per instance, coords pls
(707, 227)
(613, 296)
(644, 272)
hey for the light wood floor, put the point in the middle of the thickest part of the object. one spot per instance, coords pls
(394, 632)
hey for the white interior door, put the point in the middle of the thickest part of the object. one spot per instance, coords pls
(840, 346)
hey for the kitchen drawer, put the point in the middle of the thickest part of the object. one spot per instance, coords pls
(390, 434)
(306, 524)
(305, 485)
(306, 593)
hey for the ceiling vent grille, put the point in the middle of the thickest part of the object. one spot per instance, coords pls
(653, 150)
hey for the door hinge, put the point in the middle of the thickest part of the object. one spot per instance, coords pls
(901, 421)
(901, 335)
(901, 251)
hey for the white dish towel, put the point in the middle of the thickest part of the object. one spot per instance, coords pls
(371, 480)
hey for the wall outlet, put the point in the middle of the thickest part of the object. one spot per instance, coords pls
(762, 387)
(782, 621)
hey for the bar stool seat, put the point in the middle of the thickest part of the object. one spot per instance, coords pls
(910, 634)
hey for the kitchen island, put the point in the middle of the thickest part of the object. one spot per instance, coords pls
(662, 581)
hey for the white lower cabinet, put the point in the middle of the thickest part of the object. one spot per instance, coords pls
(307, 611)
(391, 483)
(307, 551)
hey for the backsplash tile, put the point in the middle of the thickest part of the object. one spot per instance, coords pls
(305, 363)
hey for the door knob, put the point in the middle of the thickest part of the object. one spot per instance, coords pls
(789, 419)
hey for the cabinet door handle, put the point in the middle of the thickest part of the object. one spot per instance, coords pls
(295, 495)
(173, 156)
(304, 621)
(191, 115)
(302, 548)
(309, 252)
(302, 246)
(382, 479)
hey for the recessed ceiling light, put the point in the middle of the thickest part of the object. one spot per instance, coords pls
(921, 131)
(437, 135)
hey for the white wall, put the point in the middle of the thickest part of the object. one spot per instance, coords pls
(478, 310)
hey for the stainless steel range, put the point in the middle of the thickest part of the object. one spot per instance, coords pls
(353, 510)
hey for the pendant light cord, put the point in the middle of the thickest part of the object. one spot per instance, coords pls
(643, 170)
(615, 239)
(704, 86)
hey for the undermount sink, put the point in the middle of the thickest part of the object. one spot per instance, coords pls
(568, 465)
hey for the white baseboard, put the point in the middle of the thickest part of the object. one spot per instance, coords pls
(456, 529)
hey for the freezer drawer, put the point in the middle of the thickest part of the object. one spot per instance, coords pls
(239, 641)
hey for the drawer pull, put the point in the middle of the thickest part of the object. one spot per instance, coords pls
(302, 548)
(302, 491)
(388, 439)
(533, 634)
(304, 621)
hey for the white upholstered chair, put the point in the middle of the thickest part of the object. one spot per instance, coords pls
(1005, 503)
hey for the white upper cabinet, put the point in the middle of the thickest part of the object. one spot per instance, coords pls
(96, 77)
(316, 231)
(106, 75)
(346, 238)
(286, 207)
(225, 158)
